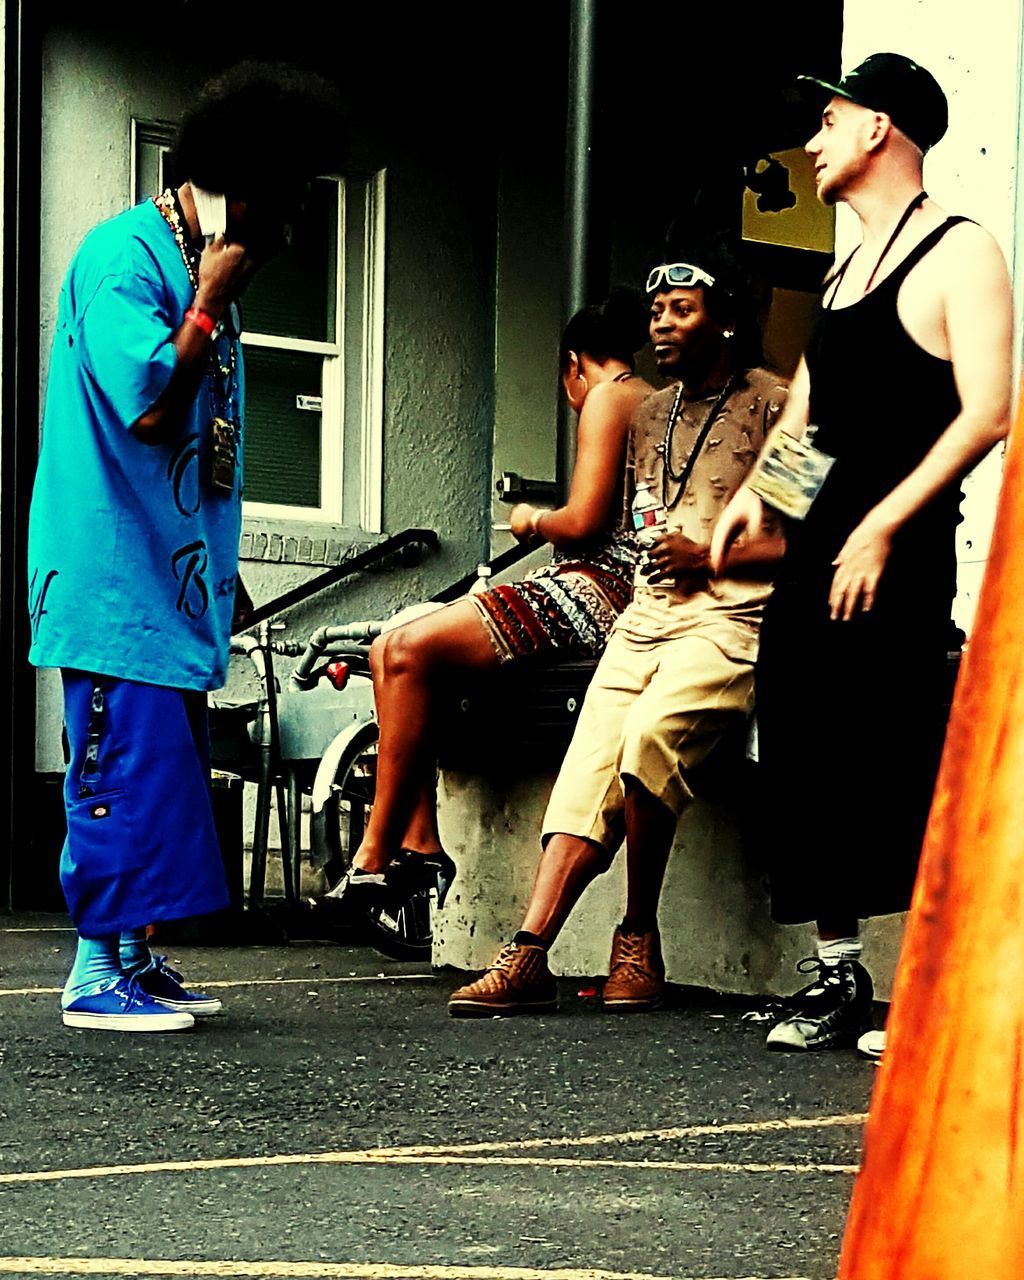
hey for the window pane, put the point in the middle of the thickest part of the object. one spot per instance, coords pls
(293, 295)
(282, 442)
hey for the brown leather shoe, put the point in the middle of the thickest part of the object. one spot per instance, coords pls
(519, 981)
(636, 972)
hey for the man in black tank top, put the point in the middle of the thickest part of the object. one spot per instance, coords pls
(907, 382)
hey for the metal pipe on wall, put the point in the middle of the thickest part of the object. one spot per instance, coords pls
(578, 184)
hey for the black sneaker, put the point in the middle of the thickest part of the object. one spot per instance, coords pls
(833, 1011)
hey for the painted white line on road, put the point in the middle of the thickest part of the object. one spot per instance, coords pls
(322, 1270)
(469, 1154)
(41, 928)
(784, 1125)
(252, 982)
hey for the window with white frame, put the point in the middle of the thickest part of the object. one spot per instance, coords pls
(312, 334)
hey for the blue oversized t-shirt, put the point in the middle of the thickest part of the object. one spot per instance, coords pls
(133, 554)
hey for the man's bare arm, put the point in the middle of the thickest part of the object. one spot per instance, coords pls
(222, 269)
(978, 306)
(744, 516)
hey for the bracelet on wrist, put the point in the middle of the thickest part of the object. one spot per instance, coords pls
(535, 528)
(202, 320)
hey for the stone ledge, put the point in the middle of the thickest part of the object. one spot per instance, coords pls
(715, 927)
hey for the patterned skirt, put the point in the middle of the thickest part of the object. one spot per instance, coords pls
(566, 609)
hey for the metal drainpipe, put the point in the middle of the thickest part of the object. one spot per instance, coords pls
(578, 165)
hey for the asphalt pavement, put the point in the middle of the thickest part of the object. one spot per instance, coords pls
(334, 1122)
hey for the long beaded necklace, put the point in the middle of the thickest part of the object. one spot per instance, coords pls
(680, 478)
(224, 380)
(167, 203)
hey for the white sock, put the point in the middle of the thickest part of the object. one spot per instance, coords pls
(835, 950)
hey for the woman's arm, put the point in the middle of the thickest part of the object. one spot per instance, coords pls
(597, 476)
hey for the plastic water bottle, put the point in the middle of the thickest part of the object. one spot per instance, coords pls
(648, 513)
(648, 521)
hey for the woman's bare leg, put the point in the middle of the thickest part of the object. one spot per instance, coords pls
(421, 833)
(406, 663)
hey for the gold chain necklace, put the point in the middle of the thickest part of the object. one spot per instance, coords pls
(168, 207)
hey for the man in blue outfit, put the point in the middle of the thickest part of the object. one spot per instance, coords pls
(135, 522)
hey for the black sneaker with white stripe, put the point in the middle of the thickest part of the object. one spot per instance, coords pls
(833, 1011)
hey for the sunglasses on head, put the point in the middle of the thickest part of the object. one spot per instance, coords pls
(677, 275)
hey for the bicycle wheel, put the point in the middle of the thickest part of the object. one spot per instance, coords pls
(344, 816)
(404, 931)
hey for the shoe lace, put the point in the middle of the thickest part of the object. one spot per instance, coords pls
(161, 966)
(507, 959)
(829, 976)
(632, 953)
(130, 993)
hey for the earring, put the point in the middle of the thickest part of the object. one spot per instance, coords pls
(728, 333)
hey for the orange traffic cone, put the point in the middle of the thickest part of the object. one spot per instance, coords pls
(941, 1192)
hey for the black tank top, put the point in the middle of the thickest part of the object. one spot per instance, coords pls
(879, 401)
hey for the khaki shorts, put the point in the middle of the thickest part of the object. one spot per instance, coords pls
(654, 709)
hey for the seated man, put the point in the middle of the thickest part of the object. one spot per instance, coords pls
(679, 666)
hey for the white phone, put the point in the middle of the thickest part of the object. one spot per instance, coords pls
(212, 212)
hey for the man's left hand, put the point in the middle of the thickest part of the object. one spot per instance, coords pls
(675, 555)
(859, 568)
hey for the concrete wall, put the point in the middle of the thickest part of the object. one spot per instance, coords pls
(715, 926)
(528, 318)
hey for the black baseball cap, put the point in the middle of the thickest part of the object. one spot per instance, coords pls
(908, 94)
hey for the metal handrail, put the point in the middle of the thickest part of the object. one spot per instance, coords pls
(372, 558)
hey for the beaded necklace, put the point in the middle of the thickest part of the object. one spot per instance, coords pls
(167, 203)
(224, 376)
(680, 478)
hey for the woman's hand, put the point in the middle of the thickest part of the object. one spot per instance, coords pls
(673, 555)
(522, 522)
(744, 515)
(859, 567)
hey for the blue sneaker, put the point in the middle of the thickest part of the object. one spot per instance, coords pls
(122, 1005)
(164, 985)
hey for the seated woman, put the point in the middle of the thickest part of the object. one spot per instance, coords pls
(565, 609)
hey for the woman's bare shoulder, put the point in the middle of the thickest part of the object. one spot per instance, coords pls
(621, 396)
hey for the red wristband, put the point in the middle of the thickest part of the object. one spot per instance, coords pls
(202, 320)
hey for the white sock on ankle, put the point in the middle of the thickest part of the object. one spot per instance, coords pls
(835, 950)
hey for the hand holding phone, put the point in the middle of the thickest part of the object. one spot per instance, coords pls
(212, 213)
(223, 271)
